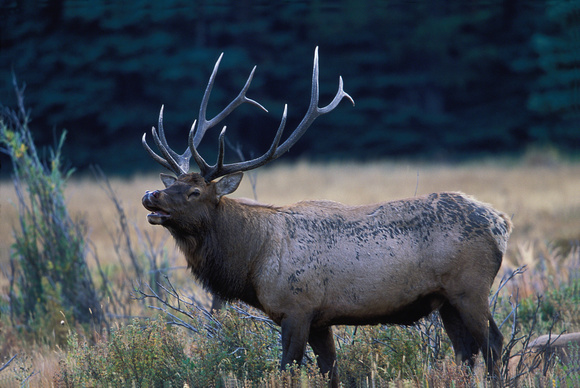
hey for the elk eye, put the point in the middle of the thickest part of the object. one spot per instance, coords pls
(195, 193)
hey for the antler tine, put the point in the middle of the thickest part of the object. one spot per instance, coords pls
(179, 164)
(313, 110)
(219, 169)
(160, 139)
(199, 160)
(181, 161)
(203, 124)
(220, 159)
(152, 153)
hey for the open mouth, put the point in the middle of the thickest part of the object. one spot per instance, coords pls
(157, 217)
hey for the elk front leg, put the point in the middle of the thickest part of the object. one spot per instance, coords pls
(294, 336)
(322, 343)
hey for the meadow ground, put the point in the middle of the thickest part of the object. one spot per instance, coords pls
(543, 200)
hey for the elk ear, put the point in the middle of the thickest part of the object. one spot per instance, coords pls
(167, 179)
(228, 184)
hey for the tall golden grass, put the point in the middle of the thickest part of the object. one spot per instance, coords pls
(544, 201)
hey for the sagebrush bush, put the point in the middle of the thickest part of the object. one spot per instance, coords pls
(143, 353)
(382, 353)
(151, 353)
(49, 272)
(237, 345)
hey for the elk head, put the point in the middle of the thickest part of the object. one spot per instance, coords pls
(178, 206)
(191, 205)
(176, 203)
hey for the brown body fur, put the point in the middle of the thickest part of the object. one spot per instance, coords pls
(315, 264)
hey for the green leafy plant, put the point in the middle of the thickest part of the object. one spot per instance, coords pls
(237, 345)
(235, 342)
(49, 273)
(230, 346)
(142, 353)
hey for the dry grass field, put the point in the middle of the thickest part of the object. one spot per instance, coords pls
(543, 200)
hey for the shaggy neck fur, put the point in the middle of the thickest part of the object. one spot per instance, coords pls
(224, 269)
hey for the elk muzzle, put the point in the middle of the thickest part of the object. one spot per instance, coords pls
(151, 202)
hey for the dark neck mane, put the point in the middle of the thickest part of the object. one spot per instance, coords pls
(222, 254)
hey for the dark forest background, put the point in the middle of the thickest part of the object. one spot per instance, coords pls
(444, 80)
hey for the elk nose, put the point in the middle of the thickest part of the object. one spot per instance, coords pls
(155, 193)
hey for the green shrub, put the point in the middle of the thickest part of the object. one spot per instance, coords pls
(239, 347)
(386, 353)
(230, 348)
(142, 353)
(558, 305)
(234, 343)
(49, 272)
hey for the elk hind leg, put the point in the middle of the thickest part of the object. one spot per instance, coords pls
(477, 318)
(464, 345)
(322, 342)
(493, 354)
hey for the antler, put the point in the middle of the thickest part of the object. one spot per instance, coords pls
(180, 163)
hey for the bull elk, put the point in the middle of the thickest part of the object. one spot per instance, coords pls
(315, 264)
